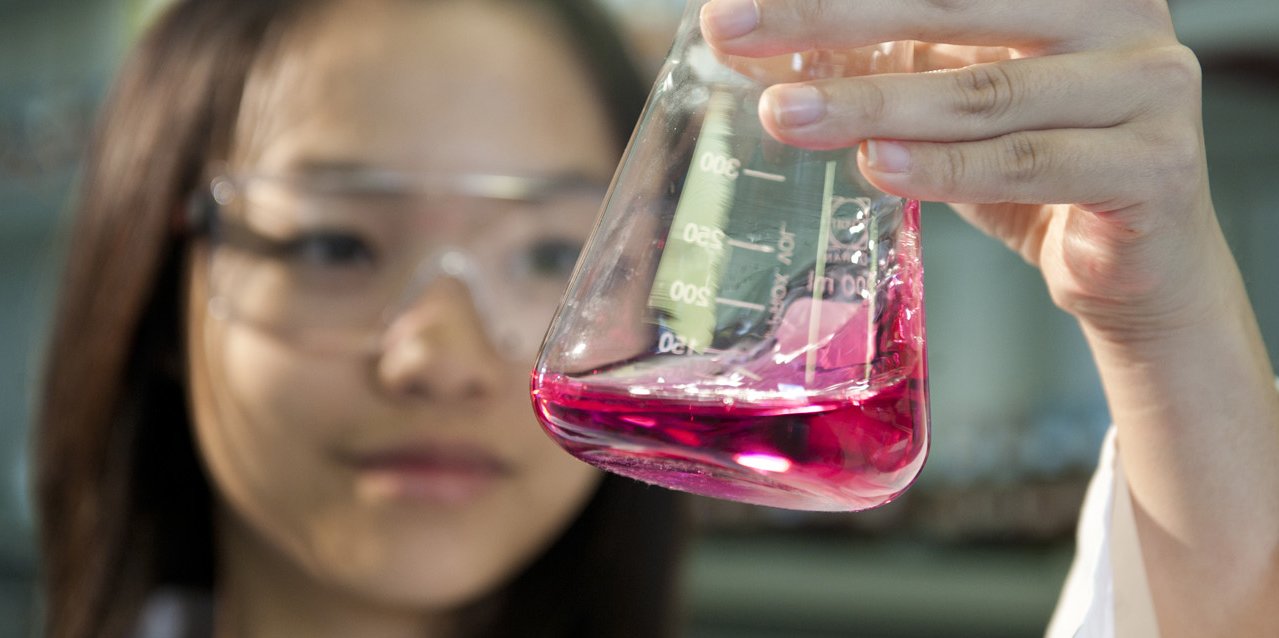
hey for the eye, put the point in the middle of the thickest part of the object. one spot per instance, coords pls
(330, 249)
(552, 258)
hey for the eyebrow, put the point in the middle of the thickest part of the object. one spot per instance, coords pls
(345, 171)
(375, 178)
(340, 166)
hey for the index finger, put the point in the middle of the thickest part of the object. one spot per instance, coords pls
(772, 27)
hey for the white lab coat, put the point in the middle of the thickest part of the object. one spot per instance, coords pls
(1106, 594)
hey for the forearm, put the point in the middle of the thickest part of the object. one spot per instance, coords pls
(1198, 419)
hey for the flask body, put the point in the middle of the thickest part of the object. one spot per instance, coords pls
(747, 320)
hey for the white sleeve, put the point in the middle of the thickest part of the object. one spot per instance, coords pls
(1086, 606)
(1106, 592)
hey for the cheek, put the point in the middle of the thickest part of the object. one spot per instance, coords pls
(550, 488)
(554, 484)
(266, 420)
(551, 492)
(563, 486)
(523, 521)
(447, 558)
(447, 561)
(282, 394)
(557, 473)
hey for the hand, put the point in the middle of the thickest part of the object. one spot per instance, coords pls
(1072, 132)
(1069, 130)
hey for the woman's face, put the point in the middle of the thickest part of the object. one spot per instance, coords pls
(413, 472)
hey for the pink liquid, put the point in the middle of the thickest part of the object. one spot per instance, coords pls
(846, 454)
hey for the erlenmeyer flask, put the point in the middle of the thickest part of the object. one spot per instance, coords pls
(747, 320)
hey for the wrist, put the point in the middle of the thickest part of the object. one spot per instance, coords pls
(1162, 363)
(1180, 283)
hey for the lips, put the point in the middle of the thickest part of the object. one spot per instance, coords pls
(438, 474)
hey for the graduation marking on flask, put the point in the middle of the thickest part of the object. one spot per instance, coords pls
(815, 314)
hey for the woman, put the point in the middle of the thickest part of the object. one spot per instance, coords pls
(1071, 131)
(317, 244)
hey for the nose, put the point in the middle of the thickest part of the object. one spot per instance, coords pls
(438, 349)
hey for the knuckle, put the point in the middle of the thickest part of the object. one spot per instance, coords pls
(821, 24)
(797, 23)
(1171, 165)
(952, 174)
(813, 10)
(811, 14)
(1021, 159)
(985, 90)
(1176, 71)
(872, 102)
(947, 6)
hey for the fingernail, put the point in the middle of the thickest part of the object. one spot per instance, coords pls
(887, 157)
(792, 106)
(725, 19)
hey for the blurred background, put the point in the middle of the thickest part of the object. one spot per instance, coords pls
(978, 548)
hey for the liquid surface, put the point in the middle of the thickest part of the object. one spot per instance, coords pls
(833, 454)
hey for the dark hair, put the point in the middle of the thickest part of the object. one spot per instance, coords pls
(123, 502)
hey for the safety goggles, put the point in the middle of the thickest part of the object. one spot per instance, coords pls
(327, 260)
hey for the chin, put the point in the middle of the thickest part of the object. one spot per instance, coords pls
(420, 566)
(443, 585)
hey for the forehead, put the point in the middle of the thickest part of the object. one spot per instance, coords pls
(422, 85)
